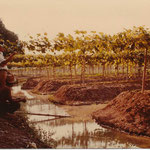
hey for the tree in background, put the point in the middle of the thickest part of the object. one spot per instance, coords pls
(142, 38)
(9, 40)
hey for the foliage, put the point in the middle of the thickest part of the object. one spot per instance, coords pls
(9, 40)
(125, 48)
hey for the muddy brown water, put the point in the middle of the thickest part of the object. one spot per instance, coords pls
(69, 133)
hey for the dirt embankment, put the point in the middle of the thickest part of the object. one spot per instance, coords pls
(43, 86)
(48, 86)
(63, 93)
(129, 111)
(78, 95)
(15, 133)
(30, 83)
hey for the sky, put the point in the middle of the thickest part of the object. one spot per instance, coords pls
(29, 17)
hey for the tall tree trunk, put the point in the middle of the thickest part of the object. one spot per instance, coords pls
(63, 70)
(123, 68)
(50, 71)
(54, 72)
(99, 69)
(135, 70)
(89, 69)
(131, 69)
(75, 71)
(139, 70)
(108, 70)
(92, 69)
(83, 71)
(127, 70)
(103, 69)
(47, 70)
(117, 70)
(144, 72)
(70, 68)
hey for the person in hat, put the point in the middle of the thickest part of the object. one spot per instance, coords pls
(3, 66)
(7, 104)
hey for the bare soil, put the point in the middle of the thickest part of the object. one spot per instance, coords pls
(63, 93)
(30, 83)
(129, 111)
(82, 95)
(41, 85)
(48, 86)
(15, 133)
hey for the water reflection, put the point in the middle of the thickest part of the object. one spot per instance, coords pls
(84, 135)
(70, 134)
(73, 134)
(36, 106)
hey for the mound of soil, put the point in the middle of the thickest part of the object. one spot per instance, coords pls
(129, 111)
(30, 84)
(75, 94)
(47, 86)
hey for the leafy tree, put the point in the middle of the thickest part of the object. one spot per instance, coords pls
(142, 37)
(84, 45)
(9, 40)
(39, 44)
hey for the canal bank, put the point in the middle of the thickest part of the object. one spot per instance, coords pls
(15, 133)
(79, 131)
